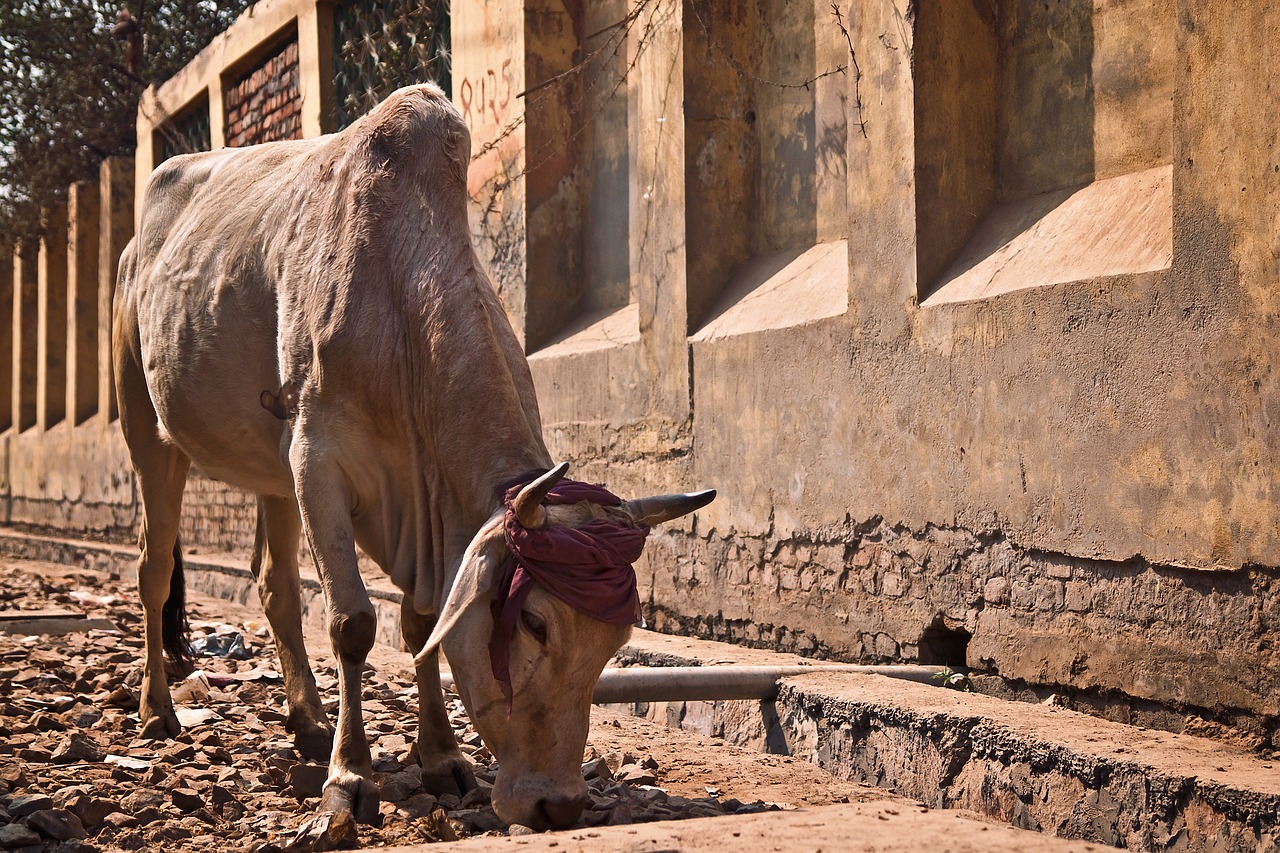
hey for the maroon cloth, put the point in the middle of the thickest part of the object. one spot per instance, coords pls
(588, 568)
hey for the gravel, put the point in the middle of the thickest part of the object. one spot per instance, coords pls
(74, 776)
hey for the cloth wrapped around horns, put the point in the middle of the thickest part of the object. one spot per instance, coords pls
(588, 567)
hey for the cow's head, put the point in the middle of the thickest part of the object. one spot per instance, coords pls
(556, 655)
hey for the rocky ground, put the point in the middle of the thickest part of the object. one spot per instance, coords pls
(74, 776)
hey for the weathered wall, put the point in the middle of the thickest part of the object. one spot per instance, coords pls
(1074, 474)
(973, 335)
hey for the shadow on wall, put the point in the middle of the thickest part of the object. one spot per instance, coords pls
(1004, 111)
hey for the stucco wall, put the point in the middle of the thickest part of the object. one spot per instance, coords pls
(1078, 473)
(966, 310)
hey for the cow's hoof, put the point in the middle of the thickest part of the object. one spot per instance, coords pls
(356, 795)
(160, 725)
(448, 776)
(313, 740)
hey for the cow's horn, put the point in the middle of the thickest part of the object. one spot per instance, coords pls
(655, 510)
(530, 512)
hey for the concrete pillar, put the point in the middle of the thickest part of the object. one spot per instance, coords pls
(115, 194)
(25, 299)
(51, 332)
(83, 210)
(315, 67)
(6, 342)
(150, 115)
(217, 107)
(658, 218)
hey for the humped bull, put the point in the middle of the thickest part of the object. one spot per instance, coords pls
(308, 321)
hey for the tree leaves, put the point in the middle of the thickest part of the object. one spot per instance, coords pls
(69, 98)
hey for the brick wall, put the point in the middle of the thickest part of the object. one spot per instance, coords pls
(264, 104)
(217, 517)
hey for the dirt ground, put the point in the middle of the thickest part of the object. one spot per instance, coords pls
(73, 776)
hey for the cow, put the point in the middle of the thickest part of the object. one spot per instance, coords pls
(308, 320)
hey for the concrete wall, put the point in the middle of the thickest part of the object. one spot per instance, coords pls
(1061, 456)
(965, 308)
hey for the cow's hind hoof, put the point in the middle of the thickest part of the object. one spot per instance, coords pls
(356, 795)
(448, 776)
(312, 740)
(160, 726)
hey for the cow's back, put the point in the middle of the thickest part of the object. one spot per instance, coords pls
(342, 266)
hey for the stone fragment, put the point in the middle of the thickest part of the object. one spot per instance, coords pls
(172, 832)
(78, 747)
(597, 768)
(478, 820)
(29, 804)
(220, 796)
(34, 755)
(13, 776)
(58, 824)
(397, 787)
(142, 799)
(419, 805)
(120, 820)
(436, 825)
(16, 835)
(325, 831)
(148, 815)
(634, 774)
(122, 697)
(91, 810)
(186, 799)
(307, 780)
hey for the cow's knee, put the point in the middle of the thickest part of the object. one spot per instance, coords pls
(353, 634)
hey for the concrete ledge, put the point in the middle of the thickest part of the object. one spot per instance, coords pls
(1035, 766)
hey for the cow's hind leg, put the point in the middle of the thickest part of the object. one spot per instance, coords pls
(326, 519)
(161, 470)
(445, 770)
(275, 566)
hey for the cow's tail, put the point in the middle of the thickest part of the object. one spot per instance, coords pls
(174, 628)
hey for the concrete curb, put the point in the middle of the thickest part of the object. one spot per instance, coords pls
(1035, 766)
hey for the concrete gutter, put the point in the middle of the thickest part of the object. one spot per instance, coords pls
(1036, 767)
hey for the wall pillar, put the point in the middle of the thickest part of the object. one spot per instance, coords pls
(6, 342)
(83, 210)
(25, 299)
(315, 68)
(115, 195)
(51, 332)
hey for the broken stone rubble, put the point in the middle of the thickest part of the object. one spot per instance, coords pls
(74, 775)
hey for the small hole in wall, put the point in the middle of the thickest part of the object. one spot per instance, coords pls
(940, 645)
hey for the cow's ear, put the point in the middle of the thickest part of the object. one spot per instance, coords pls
(474, 581)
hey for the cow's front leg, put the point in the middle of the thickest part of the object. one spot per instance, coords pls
(326, 519)
(445, 770)
(275, 565)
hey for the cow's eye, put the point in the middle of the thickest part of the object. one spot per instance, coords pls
(535, 625)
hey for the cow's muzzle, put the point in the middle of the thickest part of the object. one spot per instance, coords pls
(560, 812)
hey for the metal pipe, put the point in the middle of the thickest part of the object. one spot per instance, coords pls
(708, 683)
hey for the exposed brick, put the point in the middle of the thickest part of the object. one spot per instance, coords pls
(265, 105)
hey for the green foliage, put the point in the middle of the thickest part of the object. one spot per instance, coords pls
(949, 678)
(70, 93)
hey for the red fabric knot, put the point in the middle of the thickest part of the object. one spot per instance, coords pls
(588, 567)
